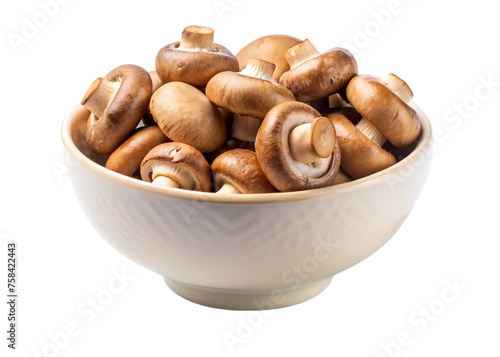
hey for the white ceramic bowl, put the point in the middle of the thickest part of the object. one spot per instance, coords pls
(257, 251)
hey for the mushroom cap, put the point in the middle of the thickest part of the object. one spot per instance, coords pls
(124, 112)
(193, 67)
(185, 114)
(270, 48)
(240, 168)
(360, 155)
(127, 158)
(274, 155)
(321, 76)
(184, 160)
(246, 95)
(397, 121)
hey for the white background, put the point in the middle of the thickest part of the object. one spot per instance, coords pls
(446, 51)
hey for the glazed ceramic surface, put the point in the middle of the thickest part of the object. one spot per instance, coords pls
(257, 251)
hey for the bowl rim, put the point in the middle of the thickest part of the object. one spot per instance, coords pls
(423, 146)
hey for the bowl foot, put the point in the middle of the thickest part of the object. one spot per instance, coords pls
(247, 299)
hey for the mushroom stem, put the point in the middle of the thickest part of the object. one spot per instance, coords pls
(301, 53)
(259, 69)
(165, 181)
(336, 101)
(312, 141)
(228, 188)
(245, 127)
(399, 87)
(197, 38)
(100, 93)
(371, 132)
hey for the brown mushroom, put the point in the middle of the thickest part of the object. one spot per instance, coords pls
(238, 171)
(313, 75)
(176, 165)
(386, 115)
(361, 156)
(127, 158)
(184, 114)
(117, 103)
(195, 59)
(270, 48)
(297, 148)
(250, 93)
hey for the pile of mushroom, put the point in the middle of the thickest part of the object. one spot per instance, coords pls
(278, 116)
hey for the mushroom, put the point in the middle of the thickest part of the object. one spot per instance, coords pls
(184, 114)
(270, 48)
(238, 171)
(386, 114)
(297, 148)
(313, 75)
(250, 93)
(157, 83)
(195, 59)
(117, 103)
(176, 165)
(126, 159)
(361, 156)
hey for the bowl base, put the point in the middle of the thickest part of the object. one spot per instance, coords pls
(247, 299)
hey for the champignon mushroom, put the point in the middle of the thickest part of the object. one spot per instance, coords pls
(250, 93)
(126, 159)
(238, 171)
(184, 114)
(313, 75)
(270, 48)
(386, 114)
(361, 156)
(195, 59)
(297, 148)
(176, 165)
(117, 103)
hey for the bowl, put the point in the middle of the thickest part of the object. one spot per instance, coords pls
(250, 251)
